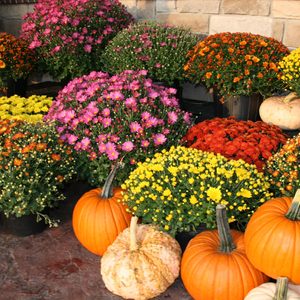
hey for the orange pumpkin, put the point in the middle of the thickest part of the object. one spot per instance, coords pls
(272, 238)
(214, 264)
(99, 216)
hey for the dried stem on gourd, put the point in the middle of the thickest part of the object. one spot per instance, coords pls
(290, 97)
(107, 190)
(226, 242)
(294, 210)
(133, 228)
(281, 288)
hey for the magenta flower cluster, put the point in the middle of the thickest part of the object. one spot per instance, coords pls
(69, 35)
(122, 117)
(158, 48)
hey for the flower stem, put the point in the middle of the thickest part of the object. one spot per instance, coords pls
(133, 227)
(294, 210)
(107, 190)
(281, 288)
(226, 242)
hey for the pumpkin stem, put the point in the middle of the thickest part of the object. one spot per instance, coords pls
(290, 97)
(226, 242)
(294, 210)
(107, 190)
(133, 225)
(281, 288)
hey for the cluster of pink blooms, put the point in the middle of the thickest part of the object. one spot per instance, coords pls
(111, 116)
(158, 48)
(58, 27)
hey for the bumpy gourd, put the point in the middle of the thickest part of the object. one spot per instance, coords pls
(141, 263)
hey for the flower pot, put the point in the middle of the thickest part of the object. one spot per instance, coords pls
(16, 87)
(243, 107)
(72, 191)
(183, 238)
(22, 226)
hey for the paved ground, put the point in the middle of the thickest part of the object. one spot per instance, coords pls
(53, 265)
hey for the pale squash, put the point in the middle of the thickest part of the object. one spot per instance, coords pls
(141, 263)
(283, 111)
(273, 291)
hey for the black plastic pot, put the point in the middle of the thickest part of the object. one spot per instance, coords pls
(16, 87)
(183, 238)
(22, 226)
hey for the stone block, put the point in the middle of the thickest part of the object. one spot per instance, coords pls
(203, 6)
(130, 6)
(146, 9)
(285, 9)
(165, 5)
(15, 11)
(278, 29)
(196, 22)
(238, 23)
(246, 7)
(292, 34)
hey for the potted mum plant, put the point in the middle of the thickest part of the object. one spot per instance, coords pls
(31, 109)
(122, 118)
(158, 48)
(284, 110)
(283, 169)
(254, 142)
(69, 36)
(237, 65)
(178, 189)
(33, 167)
(16, 63)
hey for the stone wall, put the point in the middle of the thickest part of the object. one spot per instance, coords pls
(276, 18)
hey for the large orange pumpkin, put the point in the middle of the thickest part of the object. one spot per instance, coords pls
(272, 238)
(214, 265)
(99, 216)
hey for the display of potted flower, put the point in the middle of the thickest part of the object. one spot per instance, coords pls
(31, 109)
(16, 63)
(237, 64)
(69, 36)
(178, 189)
(284, 110)
(283, 169)
(122, 118)
(254, 142)
(33, 167)
(158, 48)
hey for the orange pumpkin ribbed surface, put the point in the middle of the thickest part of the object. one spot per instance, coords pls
(99, 216)
(272, 238)
(98, 221)
(214, 269)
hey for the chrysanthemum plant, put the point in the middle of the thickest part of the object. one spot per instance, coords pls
(237, 64)
(290, 68)
(70, 35)
(31, 109)
(158, 48)
(16, 59)
(283, 169)
(123, 117)
(251, 141)
(179, 189)
(33, 167)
